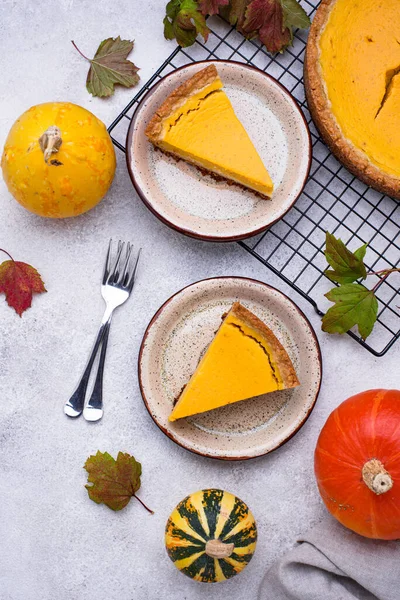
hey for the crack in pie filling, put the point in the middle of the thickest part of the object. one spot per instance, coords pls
(352, 79)
(197, 123)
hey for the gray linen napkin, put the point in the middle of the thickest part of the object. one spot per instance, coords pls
(332, 563)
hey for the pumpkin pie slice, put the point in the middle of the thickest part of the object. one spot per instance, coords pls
(197, 123)
(352, 81)
(244, 360)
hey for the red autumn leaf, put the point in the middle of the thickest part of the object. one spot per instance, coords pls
(266, 18)
(236, 13)
(18, 281)
(211, 7)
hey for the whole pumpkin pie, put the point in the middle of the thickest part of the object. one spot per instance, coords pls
(197, 123)
(352, 81)
(245, 359)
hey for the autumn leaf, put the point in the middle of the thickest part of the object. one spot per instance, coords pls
(265, 19)
(113, 482)
(110, 67)
(235, 12)
(272, 21)
(211, 7)
(294, 15)
(354, 305)
(184, 22)
(19, 281)
(346, 266)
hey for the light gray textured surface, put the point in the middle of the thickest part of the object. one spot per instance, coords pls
(55, 543)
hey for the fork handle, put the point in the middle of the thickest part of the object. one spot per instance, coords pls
(74, 406)
(93, 410)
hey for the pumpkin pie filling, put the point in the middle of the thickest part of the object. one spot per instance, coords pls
(244, 360)
(360, 64)
(352, 84)
(197, 123)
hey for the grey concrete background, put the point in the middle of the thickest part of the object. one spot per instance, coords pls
(55, 543)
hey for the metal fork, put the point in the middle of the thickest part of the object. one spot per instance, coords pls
(118, 281)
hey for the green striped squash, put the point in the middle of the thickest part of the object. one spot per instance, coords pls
(211, 536)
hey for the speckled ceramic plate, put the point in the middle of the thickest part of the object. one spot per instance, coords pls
(196, 205)
(177, 337)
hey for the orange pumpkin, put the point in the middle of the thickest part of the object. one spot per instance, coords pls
(357, 464)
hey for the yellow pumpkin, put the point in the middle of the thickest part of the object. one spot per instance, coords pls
(58, 160)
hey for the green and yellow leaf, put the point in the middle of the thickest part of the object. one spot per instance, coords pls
(346, 266)
(113, 482)
(354, 305)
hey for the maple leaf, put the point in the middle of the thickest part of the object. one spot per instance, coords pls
(265, 19)
(113, 482)
(184, 21)
(19, 281)
(346, 266)
(110, 67)
(211, 7)
(354, 305)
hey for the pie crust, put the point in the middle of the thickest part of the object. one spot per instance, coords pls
(356, 161)
(177, 98)
(281, 357)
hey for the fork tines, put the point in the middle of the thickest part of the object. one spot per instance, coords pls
(119, 271)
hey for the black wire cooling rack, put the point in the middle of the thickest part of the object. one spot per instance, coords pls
(332, 200)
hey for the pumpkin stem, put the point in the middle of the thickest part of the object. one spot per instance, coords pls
(50, 142)
(217, 549)
(376, 478)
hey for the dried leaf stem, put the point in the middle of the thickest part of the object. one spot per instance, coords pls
(5, 252)
(143, 504)
(81, 53)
